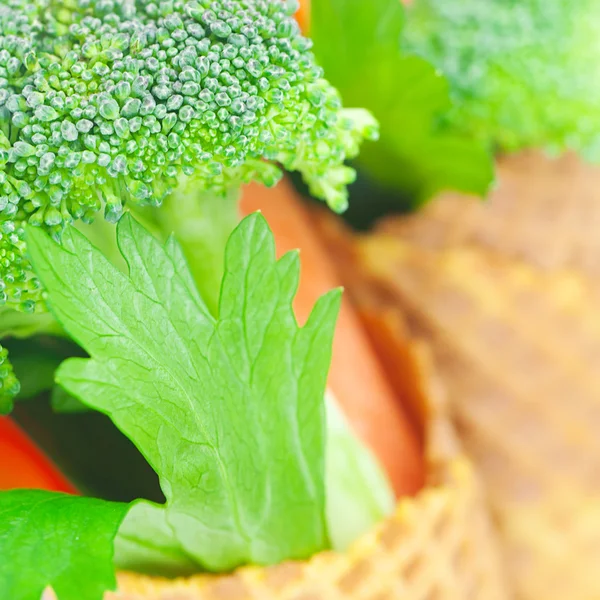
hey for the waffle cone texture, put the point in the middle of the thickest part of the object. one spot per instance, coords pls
(438, 545)
(507, 295)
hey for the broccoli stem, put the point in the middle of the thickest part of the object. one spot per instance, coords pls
(14, 323)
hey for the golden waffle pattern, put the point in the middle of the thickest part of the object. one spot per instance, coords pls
(518, 349)
(543, 211)
(437, 546)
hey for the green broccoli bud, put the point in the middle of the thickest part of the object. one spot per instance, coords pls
(523, 74)
(9, 384)
(110, 102)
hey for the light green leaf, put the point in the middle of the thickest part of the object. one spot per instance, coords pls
(358, 497)
(50, 539)
(203, 223)
(358, 492)
(146, 543)
(359, 45)
(62, 402)
(228, 411)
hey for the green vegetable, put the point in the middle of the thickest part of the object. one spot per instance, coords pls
(105, 104)
(358, 496)
(203, 223)
(19, 325)
(522, 74)
(358, 493)
(9, 384)
(49, 539)
(146, 543)
(123, 107)
(35, 361)
(14, 323)
(62, 402)
(228, 411)
(359, 45)
(35, 368)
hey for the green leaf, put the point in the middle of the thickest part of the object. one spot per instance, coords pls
(202, 223)
(146, 543)
(522, 74)
(358, 44)
(50, 539)
(228, 411)
(358, 497)
(358, 492)
(62, 402)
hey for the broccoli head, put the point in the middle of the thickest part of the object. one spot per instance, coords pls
(109, 102)
(523, 74)
(9, 384)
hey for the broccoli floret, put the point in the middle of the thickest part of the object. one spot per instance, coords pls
(9, 384)
(109, 102)
(523, 74)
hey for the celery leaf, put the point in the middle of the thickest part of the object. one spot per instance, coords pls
(229, 411)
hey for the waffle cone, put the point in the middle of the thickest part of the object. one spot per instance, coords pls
(507, 295)
(438, 545)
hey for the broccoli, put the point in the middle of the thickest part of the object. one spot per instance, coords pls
(113, 103)
(523, 74)
(9, 385)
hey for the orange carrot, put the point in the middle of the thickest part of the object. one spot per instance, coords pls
(23, 465)
(303, 16)
(356, 378)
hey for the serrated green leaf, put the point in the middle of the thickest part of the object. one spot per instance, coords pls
(56, 540)
(359, 45)
(358, 497)
(203, 222)
(228, 411)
